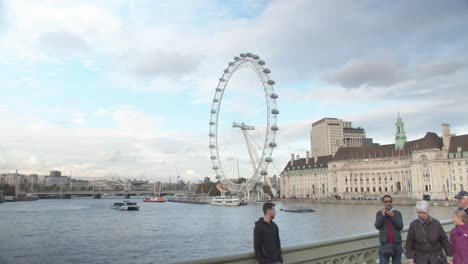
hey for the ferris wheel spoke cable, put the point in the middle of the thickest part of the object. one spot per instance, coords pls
(259, 147)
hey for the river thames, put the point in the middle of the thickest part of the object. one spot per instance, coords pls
(88, 231)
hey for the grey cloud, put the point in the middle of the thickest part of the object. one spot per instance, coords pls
(302, 36)
(439, 68)
(357, 73)
(63, 43)
(157, 63)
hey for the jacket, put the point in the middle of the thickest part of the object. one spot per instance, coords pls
(459, 244)
(267, 243)
(382, 226)
(426, 247)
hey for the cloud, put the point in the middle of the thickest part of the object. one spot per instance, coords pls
(79, 120)
(381, 73)
(157, 63)
(356, 73)
(439, 68)
(63, 43)
(131, 120)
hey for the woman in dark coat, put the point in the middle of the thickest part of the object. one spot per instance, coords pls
(427, 240)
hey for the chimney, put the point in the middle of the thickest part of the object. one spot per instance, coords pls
(446, 136)
(297, 157)
(307, 157)
(315, 158)
(292, 159)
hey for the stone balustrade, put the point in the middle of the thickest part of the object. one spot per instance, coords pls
(356, 249)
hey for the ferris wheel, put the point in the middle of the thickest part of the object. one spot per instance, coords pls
(259, 162)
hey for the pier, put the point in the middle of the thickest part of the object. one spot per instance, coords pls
(361, 248)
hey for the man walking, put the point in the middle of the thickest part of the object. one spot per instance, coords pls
(462, 198)
(267, 243)
(389, 223)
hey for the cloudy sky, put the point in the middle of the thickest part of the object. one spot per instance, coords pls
(123, 88)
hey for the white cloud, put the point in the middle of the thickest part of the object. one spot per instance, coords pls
(79, 120)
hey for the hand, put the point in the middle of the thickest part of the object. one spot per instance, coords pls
(383, 211)
(410, 261)
(390, 213)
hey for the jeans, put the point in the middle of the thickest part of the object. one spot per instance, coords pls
(395, 259)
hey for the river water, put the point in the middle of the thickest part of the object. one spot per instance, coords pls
(88, 231)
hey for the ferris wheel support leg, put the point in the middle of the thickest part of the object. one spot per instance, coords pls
(249, 149)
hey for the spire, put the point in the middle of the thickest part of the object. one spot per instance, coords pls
(400, 137)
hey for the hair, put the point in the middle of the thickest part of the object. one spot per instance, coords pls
(387, 195)
(267, 206)
(462, 215)
(422, 206)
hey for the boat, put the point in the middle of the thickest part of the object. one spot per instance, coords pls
(243, 203)
(301, 210)
(226, 200)
(192, 199)
(155, 198)
(27, 197)
(125, 206)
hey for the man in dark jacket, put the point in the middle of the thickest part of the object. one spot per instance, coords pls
(267, 243)
(389, 223)
(462, 198)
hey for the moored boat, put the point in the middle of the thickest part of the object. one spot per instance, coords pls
(27, 197)
(155, 198)
(226, 200)
(301, 210)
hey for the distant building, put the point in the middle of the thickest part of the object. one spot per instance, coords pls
(458, 160)
(56, 180)
(329, 134)
(55, 173)
(8, 178)
(79, 184)
(432, 165)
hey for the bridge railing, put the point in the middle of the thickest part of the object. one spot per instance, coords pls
(353, 249)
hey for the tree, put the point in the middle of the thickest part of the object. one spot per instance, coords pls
(267, 190)
(208, 188)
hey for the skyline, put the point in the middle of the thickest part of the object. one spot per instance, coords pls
(124, 87)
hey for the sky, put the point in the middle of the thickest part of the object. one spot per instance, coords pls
(101, 89)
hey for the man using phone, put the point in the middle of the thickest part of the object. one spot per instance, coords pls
(389, 223)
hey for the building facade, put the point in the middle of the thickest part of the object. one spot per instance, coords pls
(329, 134)
(433, 165)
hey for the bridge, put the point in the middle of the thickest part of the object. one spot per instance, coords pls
(356, 249)
(95, 194)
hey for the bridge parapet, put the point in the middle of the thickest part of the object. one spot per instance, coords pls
(361, 248)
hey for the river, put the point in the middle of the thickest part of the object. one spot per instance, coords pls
(88, 231)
